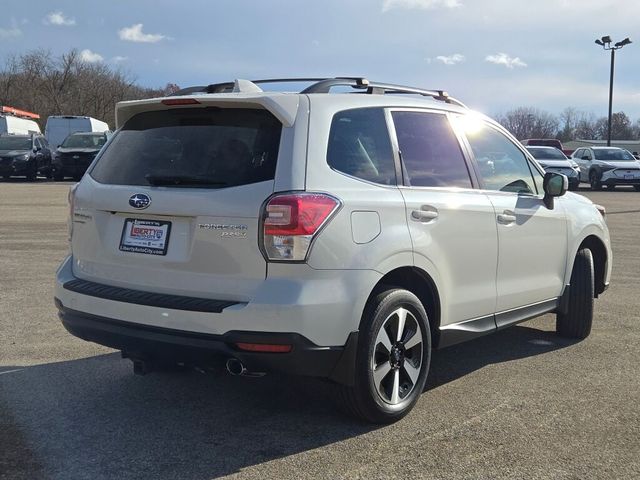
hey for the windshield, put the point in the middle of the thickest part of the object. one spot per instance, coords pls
(84, 141)
(547, 153)
(15, 143)
(616, 154)
(204, 147)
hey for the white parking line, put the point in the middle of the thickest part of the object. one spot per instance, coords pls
(11, 371)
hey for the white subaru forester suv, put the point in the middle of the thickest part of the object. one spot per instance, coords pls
(341, 236)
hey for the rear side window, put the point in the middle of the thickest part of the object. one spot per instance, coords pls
(359, 145)
(430, 151)
(189, 147)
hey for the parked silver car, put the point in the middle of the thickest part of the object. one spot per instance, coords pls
(553, 160)
(336, 235)
(607, 166)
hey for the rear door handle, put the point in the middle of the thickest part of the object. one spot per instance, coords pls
(507, 217)
(425, 214)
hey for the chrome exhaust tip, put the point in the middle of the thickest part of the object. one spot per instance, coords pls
(235, 367)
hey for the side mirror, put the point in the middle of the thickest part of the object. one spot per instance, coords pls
(584, 157)
(554, 185)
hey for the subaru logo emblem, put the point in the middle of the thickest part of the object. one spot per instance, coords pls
(139, 201)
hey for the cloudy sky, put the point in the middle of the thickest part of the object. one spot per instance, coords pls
(491, 54)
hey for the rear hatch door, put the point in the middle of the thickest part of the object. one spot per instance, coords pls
(172, 203)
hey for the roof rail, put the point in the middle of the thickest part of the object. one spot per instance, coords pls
(324, 85)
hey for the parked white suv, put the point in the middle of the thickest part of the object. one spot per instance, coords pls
(335, 235)
(607, 166)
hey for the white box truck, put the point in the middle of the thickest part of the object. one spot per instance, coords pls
(19, 122)
(60, 126)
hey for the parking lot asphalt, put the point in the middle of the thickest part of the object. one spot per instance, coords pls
(522, 403)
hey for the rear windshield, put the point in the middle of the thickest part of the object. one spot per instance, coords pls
(84, 141)
(547, 153)
(189, 147)
(617, 154)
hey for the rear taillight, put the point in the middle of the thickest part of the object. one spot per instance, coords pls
(291, 221)
(71, 199)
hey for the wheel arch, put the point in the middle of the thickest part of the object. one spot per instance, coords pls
(599, 253)
(422, 285)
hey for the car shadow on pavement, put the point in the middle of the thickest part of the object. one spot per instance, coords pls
(92, 418)
(514, 343)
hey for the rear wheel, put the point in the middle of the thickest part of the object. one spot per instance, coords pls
(594, 181)
(576, 322)
(392, 361)
(637, 188)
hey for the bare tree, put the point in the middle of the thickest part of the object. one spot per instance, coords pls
(586, 127)
(528, 122)
(621, 128)
(66, 85)
(635, 130)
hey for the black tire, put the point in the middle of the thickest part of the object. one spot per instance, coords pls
(576, 323)
(611, 187)
(594, 181)
(365, 399)
(58, 176)
(637, 188)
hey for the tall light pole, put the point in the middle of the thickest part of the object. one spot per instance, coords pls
(605, 42)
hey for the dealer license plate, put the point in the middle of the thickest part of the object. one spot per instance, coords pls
(145, 236)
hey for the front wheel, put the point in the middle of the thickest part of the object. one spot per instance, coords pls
(393, 356)
(637, 188)
(576, 322)
(32, 176)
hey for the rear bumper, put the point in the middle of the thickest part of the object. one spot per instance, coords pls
(315, 311)
(324, 306)
(205, 350)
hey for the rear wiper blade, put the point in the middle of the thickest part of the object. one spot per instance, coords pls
(182, 180)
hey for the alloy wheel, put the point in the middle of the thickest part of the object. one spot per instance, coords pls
(397, 356)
